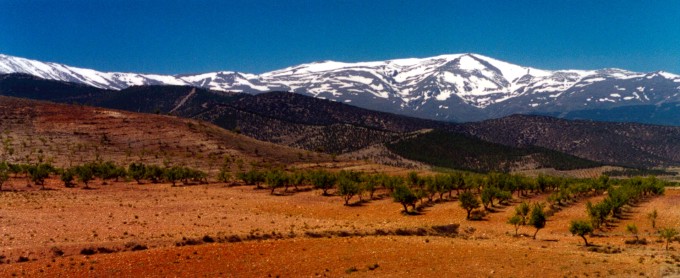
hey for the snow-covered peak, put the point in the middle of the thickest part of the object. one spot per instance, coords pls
(436, 86)
(103, 80)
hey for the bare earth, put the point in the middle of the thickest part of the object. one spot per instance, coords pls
(41, 224)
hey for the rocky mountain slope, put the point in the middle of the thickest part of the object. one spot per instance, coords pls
(457, 87)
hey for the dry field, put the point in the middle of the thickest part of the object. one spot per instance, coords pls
(301, 234)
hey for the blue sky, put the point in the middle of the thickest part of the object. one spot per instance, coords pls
(258, 36)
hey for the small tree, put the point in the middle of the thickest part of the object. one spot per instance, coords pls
(668, 234)
(252, 177)
(172, 174)
(347, 188)
(537, 218)
(516, 221)
(652, 217)
(224, 175)
(67, 176)
(137, 171)
(599, 212)
(154, 173)
(296, 179)
(370, 184)
(85, 174)
(469, 202)
(4, 173)
(581, 228)
(275, 179)
(633, 229)
(405, 196)
(522, 210)
(487, 195)
(38, 173)
(323, 180)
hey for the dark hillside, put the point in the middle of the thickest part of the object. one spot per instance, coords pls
(458, 151)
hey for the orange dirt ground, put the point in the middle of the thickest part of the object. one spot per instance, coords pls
(34, 223)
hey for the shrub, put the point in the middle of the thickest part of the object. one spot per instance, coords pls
(450, 229)
(652, 218)
(633, 229)
(88, 251)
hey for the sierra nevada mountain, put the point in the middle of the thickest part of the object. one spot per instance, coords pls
(457, 87)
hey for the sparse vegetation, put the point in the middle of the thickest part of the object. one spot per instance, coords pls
(652, 218)
(668, 234)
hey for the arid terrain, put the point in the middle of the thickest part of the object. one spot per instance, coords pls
(126, 229)
(229, 229)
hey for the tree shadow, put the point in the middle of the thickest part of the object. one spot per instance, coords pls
(355, 204)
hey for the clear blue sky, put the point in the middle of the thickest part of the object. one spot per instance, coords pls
(258, 36)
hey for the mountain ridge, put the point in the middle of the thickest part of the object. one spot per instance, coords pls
(452, 87)
(310, 123)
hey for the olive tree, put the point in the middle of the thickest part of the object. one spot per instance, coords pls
(296, 179)
(275, 179)
(516, 221)
(522, 210)
(38, 173)
(67, 176)
(85, 174)
(581, 228)
(404, 195)
(347, 188)
(323, 180)
(172, 174)
(469, 202)
(137, 171)
(537, 218)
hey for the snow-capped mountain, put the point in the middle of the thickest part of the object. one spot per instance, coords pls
(459, 87)
(102, 80)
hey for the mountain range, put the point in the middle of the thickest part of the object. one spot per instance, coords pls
(457, 87)
(314, 124)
